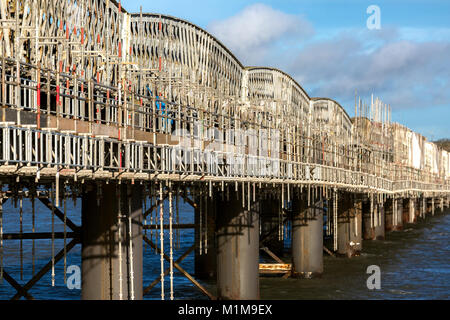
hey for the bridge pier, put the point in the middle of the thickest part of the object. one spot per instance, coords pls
(402, 215)
(403, 209)
(205, 264)
(349, 226)
(410, 210)
(237, 250)
(390, 212)
(421, 208)
(111, 268)
(307, 239)
(356, 227)
(394, 215)
(433, 207)
(374, 222)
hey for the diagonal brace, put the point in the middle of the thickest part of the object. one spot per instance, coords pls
(17, 286)
(59, 214)
(186, 274)
(44, 270)
(166, 272)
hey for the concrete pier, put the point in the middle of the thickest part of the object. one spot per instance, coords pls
(356, 233)
(102, 260)
(205, 258)
(389, 215)
(237, 250)
(394, 215)
(409, 211)
(373, 225)
(349, 222)
(307, 239)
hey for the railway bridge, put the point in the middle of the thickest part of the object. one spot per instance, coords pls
(134, 112)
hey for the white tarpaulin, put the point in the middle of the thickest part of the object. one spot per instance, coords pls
(416, 152)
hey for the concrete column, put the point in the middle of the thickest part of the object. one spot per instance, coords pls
(394, 215)
(409, 211)
(373, 226)
(419, 208)
(356, 233)
(237, 250)
(412, 210)
(269, 226)
(380, 229)
(205, 260)
(349, 222)
(101, 279)
(403, 212)
(389, 211)
(307, 239)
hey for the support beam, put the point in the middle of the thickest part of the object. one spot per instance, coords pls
(237, 250)
(307, 239)
(44, 270)
(179, 268)
(46, 202)
(102, 260)
(40, 236)
(20, 290)
(167, 271)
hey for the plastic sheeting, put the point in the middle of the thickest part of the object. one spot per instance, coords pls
(416, 151)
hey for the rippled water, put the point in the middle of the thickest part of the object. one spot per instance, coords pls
(415, 264)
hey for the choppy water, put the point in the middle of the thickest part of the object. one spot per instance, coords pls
(415, 264)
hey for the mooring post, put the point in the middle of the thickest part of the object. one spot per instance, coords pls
(307, 238)
(237, 250)
(107, 272)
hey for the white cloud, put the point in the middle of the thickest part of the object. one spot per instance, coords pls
(257, 30)
(407, 67)
(404, 73)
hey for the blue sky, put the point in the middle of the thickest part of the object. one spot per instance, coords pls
(326, 46)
